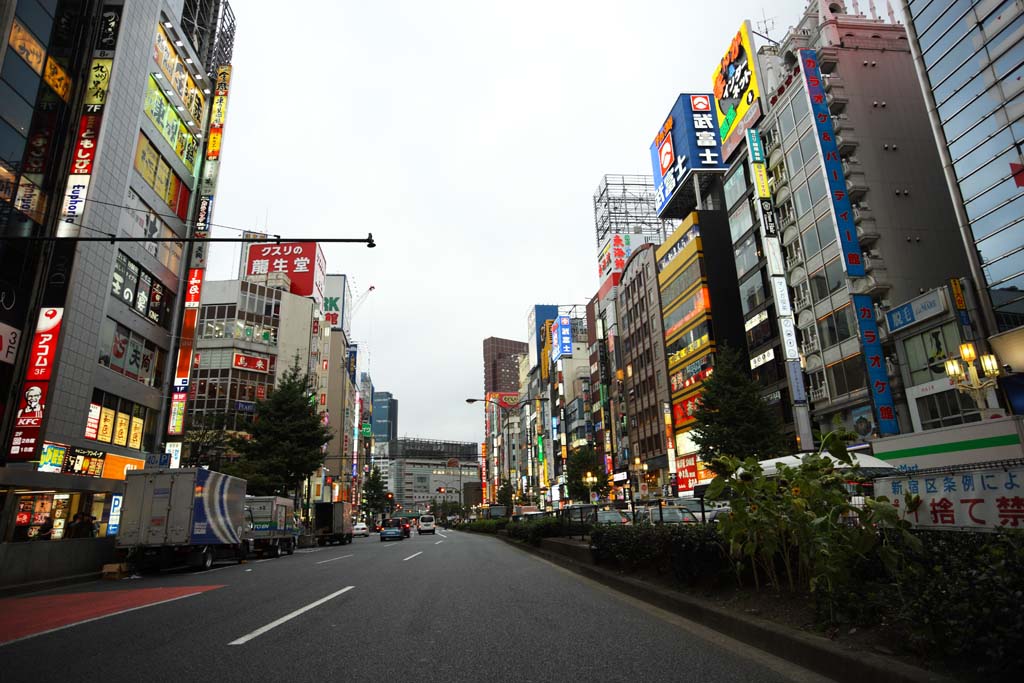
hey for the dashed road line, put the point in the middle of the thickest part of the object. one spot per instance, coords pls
(288, 617)
(412, 556)
(341, 557)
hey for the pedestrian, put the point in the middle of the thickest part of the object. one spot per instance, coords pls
(74, 529)
(92, 527)
(46, 530)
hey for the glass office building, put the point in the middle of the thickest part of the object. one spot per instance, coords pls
(970, 59)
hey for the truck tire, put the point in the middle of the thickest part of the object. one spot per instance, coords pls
(206, 559)
(275, 550)
(290, 547)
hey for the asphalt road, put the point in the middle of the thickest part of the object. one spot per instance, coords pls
(450, 607)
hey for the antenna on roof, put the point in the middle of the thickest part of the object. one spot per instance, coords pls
(765, 25)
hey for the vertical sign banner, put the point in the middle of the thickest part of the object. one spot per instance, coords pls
(29, 421)
(878, 376)
(842, 210)
(561, 338)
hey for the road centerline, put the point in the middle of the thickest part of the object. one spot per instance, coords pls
(439, 542)
(288, 617)
(340, 557)
(412, 556)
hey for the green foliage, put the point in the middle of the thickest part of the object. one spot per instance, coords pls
(285, 439)
(691, 552)
(534, 530)
(580, 461)
(732, 418)
(207, 440)
(374, 493)
(484, 526)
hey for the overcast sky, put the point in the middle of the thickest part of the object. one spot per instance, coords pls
(469, 137)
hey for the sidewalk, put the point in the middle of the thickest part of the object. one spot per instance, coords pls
(811, 651)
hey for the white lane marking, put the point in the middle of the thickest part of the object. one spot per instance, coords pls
(267, 559)
(288, 617)
(412, 556)
(102, 616)
(342, 557)
(439, 543)
(442, 535)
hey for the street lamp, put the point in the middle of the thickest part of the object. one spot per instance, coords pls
(503, 412)
(590, 480)
(639, 467)
(965, 377)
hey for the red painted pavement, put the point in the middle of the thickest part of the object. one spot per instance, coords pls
(21, 617)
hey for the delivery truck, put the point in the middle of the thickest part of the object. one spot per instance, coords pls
(273, 525)
(191, 515)
(332, 523)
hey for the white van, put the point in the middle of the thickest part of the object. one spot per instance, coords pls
(426, 525)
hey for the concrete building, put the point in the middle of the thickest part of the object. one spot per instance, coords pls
(418, 467)
(966, 54)
(842, 178)
(501, 364)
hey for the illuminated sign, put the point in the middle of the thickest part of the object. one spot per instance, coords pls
(29, 420)
(194, 288)
(842, 210)
(302, 262)
(687, 142)
(761, 181)
(244, 361)
(683, 411)
(926, 306)
(737, 93)
(762, 358)
(165, 117)
(787, 330)
(176, 425)
(98, 84)
(84, 461)
(561, 341)
(114, 519)
(118, 466)
(185, 348)
(105, 432)
(755, 147)
(51, 457)
(176, 71)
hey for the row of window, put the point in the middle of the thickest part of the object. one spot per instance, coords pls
(238, 329)
(130, 354)
(682, 282)
(120, 422)
(141, 291)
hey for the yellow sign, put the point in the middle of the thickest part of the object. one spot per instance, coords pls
(735, 83)
(106, 430)
(958, 294)
(27, 47)
(99, 81)
(58, 79)
(121, 429)
(146, 160)
(177, 74)
(165, 118)
(761, 181)
(135, 434)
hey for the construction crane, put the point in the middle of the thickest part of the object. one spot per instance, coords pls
(360, 299)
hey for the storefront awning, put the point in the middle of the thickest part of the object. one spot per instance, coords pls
(16, 477)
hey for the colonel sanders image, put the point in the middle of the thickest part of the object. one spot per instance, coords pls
(33, 407)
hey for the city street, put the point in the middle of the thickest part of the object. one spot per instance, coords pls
(450, 607)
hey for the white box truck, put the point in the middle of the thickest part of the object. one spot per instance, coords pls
(273, 524)
(191, 515)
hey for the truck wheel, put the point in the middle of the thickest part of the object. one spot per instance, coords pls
(290, 548)
(275, 551)
(206, 559)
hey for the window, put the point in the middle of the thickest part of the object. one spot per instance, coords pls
(837, 326)
(116, 420)
(140, 290)
(835, 278)
(811, 243)
(129, 354)
(786, 123)
(802, 200)
(816, 186)
(740, 221)
(947, 408)
(686, 279)
(800, 110)
(809, 146)
(928, 351)
(794, 160)
(847, 375)
(747, 255)
(735, 186)
(752, 293)
(760, 333)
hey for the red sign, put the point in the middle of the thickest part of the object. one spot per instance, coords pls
(92, 423)
(683, 411)
(44, 344)
(666, 156)
(185, 347)
(261, 391)
(85, 148)
(302, 262)
(246, 362)
(195, 288)
(505, 399)
(686, 472)
(29, 419)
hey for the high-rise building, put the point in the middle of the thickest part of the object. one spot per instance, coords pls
(385, 416)
(839, 195)
(967, 57)
(501, 364)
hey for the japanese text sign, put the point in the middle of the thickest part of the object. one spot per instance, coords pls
(737, 92)
(926, 306)
(613, 257)
(244, 361)
(842, 210)
(302, 262)
(194, 288)
(687, 142)
(874, 358)
(978, 499)
(561, 342)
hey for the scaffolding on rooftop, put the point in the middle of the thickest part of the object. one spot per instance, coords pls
(624, 204)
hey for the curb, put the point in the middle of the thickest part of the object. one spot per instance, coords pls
(23, 589)
(809, 651)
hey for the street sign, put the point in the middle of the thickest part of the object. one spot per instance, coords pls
(367, 429)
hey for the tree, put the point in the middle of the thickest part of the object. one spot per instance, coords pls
(505, 495)
(732, 418)
(582, 460)
(207, 440)
(374, 494)
(285, 440)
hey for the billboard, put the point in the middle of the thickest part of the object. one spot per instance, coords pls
(688, 141)
(611, 260)
(561, 338)
(539, 314)
(737, 91)
(29, 420)
(336, 306)
(302, 262)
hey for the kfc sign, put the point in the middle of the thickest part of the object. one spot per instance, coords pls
(31, 409)
(246, 362)
(302, 262)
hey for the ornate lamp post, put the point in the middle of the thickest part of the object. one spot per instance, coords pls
(590, 480)
(966, 379)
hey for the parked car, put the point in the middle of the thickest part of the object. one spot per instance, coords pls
(426, 525)
(613, 517)
(717, 515)
(666, 515)
(392, 529)
(360, 529)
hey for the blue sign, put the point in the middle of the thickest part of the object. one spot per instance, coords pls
(114, 519)
(916, 310)
(755, 147)
(842, 210)
(561, 342)
(353, 350)
(878, 376)
(688, 141)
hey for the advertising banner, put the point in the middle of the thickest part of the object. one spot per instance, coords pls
(613, 256)
(842, 210)
(981, 499)
(116, 466)
(686, 472)
(176, 425)
(302, 262)
(51, 457)
(176, 72)
(84, 461)
(737, 91)
(874, 358)
(194, 288)
(244, 361)
(561, 342)
(29, 419)
(683, 411)
(921, 308)
(688, 141)
(164, 116)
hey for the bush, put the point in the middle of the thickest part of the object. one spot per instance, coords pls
(534, 530)
(485, 526)
(697, 554)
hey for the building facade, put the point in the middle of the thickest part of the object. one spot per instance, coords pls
(385, 416)
(501, 364)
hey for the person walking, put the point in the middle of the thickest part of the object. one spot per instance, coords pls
(46, 530)
(74, 529)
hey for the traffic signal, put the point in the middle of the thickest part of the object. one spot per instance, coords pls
(440, 489)
(391, 496)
